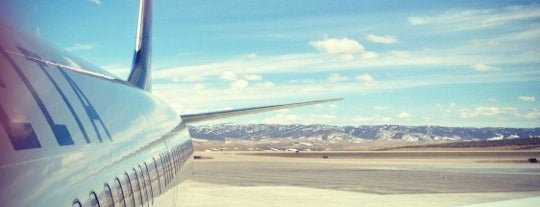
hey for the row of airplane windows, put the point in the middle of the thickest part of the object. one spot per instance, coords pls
(139, 186)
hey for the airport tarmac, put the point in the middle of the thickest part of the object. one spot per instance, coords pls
(363, 179)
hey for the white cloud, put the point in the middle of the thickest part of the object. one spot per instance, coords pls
(295, 64)
(257, 94)
(78, 47)
(499, 112)
(534, 114)
(251, 55)
(97, 2)
(367, 80)
(527, 35)
(371, 119)
(489, 111)
(381, 108)
(346, 57)
(446, 109)
(337, 46)
(404, 115)
(118, 70)
(239, 84)
(252, 77)
(369, 55)
(527, 98)
(191, 78)
(483, 67)
(292, 63)
(303, 81)
(381, 39)
(344, 49)
(400, 54)
(283, 119)
(417, 20)
(199, 86)
(336, 77)
(459, 20)
(228, 76)
(266, 84)
(181, 76)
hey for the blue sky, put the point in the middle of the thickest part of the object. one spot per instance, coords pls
(456, 63)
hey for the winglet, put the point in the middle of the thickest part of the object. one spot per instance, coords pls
(140, 75)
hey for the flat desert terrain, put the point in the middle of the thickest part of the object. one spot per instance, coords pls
(387, 178)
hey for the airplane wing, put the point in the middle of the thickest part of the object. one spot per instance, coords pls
(193, 118)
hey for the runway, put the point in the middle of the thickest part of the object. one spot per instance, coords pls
(381, 178)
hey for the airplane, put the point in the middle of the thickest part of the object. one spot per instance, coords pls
(73, 134)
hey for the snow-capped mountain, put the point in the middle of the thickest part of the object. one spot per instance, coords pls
(378, 132)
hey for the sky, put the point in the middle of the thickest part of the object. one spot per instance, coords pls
(452, 63)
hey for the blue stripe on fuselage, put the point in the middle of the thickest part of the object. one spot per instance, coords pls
(51, 79)
(61, 132)
(88, 107)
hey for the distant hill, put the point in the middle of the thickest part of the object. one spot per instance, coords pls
(377, 132)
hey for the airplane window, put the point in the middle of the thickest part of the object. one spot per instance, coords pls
(163, 169)
(143, 183)
(138, 191)
(180, 157)
(94, 202)
(156, 179)
(169, 165)
(109, 200)
(76, 203)
(177, 159)
(149, 182)
(174, 163)
(171, 159)
(174, 159)
(119, 194)
(129, 192)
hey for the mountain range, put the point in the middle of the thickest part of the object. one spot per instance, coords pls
(220, 132)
